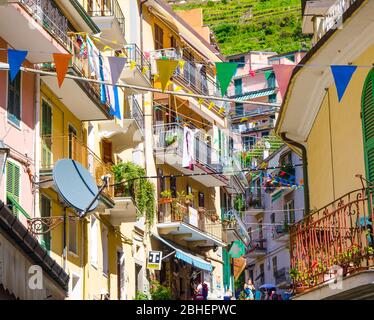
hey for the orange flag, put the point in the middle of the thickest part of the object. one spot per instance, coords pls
(62, 63)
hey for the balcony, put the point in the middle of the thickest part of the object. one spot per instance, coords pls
(191, 78)
(55, 148)
(43, 27)
(321, 16)
(281, 233)
(137, 70)
(196, 229)
(257, 249)
(128, 132)
(248, 127)
(255, 204)
(108, 16)
(234, 227)
(168, 148)
(282, 277)
(336, 240)
(82, 98)
(124, 211)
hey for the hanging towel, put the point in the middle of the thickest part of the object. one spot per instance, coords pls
(188, 148)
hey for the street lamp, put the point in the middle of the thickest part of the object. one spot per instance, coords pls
(4, 153)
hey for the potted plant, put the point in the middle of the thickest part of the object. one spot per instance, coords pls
(166, 197)
(169, 140)
(214, 217)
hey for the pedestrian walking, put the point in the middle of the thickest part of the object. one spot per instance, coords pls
(249, 290)
(228, 295)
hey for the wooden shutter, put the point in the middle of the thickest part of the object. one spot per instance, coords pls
(368, 125)
(13, 182)
(45, 212)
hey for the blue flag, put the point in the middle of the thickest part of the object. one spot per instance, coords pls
(15, 60)
(342, 77)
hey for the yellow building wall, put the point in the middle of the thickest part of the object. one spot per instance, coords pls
(333, 164)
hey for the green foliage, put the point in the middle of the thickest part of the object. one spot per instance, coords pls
(243, 25)
(239, 203)
(141, 189)
(159, 292)
(141, 296)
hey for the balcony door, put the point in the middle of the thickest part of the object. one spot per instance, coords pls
(46, 134)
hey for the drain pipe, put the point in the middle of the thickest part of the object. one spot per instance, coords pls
(305, 170)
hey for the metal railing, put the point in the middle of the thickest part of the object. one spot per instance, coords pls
(133, 53)
(55, 148)
(47, 14)
(201, 221)
(137, 113)
(171, 135)
(282, 276)
(337, 238)
(256, 201)
(106, 8)
(190, 75)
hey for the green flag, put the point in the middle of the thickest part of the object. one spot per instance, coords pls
(225, 72)
(237, 249)
(268, 74)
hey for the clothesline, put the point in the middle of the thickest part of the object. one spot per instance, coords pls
(141, 88)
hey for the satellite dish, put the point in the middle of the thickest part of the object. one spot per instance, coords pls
(75, 185)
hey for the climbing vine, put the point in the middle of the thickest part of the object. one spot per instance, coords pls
(136, 186)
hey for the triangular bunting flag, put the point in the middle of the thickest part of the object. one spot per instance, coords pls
(116, 66)
(15, 60)
(252, 73)
(133, 65)
(166, 69)
(342, 77)
(283, 73)
(225, 72)
(62, 63)
(268, 74)
(211, 106)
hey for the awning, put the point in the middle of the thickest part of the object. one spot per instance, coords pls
(256, 94)
(186, 256)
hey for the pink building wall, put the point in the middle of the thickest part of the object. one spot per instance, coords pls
(20, 140)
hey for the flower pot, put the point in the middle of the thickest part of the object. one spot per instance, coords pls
(165, 200)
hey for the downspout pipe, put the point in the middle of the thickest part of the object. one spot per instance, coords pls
(305, 169)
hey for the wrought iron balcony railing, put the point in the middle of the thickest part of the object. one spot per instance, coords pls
(200, 219)
(336, 239)
(48, 15)
(106, 8)
(137, 113)
(55, 148)
(133, 53)
(171, 136)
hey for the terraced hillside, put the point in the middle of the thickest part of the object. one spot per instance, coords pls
(243, 25)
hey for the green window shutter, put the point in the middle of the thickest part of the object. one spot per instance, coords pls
(13, 183)
(45, 212)
(368, 125)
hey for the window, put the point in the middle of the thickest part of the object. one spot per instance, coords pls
(238, 86)
(289, 212)
(286, 159)
(260, 234)
(14, 99)
(173, 186)
(46, 134)
(265, 134)
(93, 241)
(240, 60)
(72, 143)
(248, 142)
(201, 200)
(159, 38)
(173, 42)
(273, 98)
(275, 266)
(272, 218)
(262, 273)
(107, 151)
(73, 235)
(239, 110)
(45, 212)
(104, 249)
(271, 80)
(13, 184)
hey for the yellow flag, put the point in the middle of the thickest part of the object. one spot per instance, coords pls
(147, 103)
(107, 48)
(156, 76)
(178, 88)
(211, 106)
(144, 70)
(181, 64)
(244, 119)
(200, 101)
(166, 69)
(221, 110)
(132, 65)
